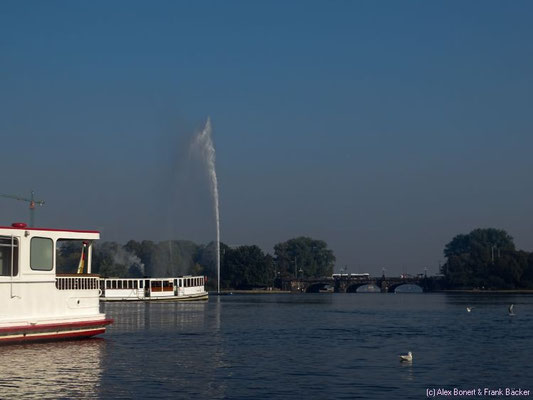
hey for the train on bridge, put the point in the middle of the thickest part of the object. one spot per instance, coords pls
(338, 276)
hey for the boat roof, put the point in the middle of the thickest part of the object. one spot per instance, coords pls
(64, 233)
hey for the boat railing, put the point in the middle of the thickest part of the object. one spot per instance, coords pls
(77, 281)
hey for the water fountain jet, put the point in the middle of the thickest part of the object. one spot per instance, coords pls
(203, 143)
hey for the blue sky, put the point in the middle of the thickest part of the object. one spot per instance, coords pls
(382, 127)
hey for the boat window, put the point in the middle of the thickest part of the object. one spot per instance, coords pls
(141, 284)
(5, 256)
(71, 256)
(107, 284)
(41, 254)
(135, 284)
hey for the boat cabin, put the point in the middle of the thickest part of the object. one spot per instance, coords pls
(37, 301)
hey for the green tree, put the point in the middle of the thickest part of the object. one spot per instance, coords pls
(527, 276)
(68, 253)
(207, 262)
(484, 258)
(246, 267)
(105, 260)
(144, 250)
(305, 257)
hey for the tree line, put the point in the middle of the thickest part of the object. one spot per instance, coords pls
(241, 267)
(481, 259)
(486, 259)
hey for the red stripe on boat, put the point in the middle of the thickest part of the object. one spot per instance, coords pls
(49, 229)
(56, 336)
(62, 326)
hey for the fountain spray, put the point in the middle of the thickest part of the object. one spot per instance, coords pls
(203, 143)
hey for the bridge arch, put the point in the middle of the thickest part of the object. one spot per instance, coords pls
(406, 288)
(318, 287)
(369, 288)
(360, 287)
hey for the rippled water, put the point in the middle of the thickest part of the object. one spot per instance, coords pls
(285, 346)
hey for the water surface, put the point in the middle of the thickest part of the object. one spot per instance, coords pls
(285, 346)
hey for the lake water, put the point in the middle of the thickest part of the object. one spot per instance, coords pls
(308, 346)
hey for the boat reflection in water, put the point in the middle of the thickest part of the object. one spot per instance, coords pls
(69, 369)
(157, 317)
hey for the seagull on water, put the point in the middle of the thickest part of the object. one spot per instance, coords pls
(511, 309)
(469, 309)
(406, 357)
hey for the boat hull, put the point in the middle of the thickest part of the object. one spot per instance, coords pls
(191, 297)
(55, 331)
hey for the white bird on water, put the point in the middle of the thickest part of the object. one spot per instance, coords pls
(469, 309)
(406, 357)
(511, 309)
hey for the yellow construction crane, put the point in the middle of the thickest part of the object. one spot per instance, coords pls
(31, 200)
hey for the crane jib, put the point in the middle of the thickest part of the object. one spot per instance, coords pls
(31, 200)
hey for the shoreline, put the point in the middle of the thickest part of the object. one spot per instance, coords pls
(249, 291)
(486, 291)
(452, 291)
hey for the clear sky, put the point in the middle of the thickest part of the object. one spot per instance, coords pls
(384, 128)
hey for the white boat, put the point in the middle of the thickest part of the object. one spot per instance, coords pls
(38, 304)
(181, 288)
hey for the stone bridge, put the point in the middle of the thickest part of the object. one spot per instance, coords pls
(350, 284)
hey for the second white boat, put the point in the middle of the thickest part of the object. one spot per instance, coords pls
(181, 288)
